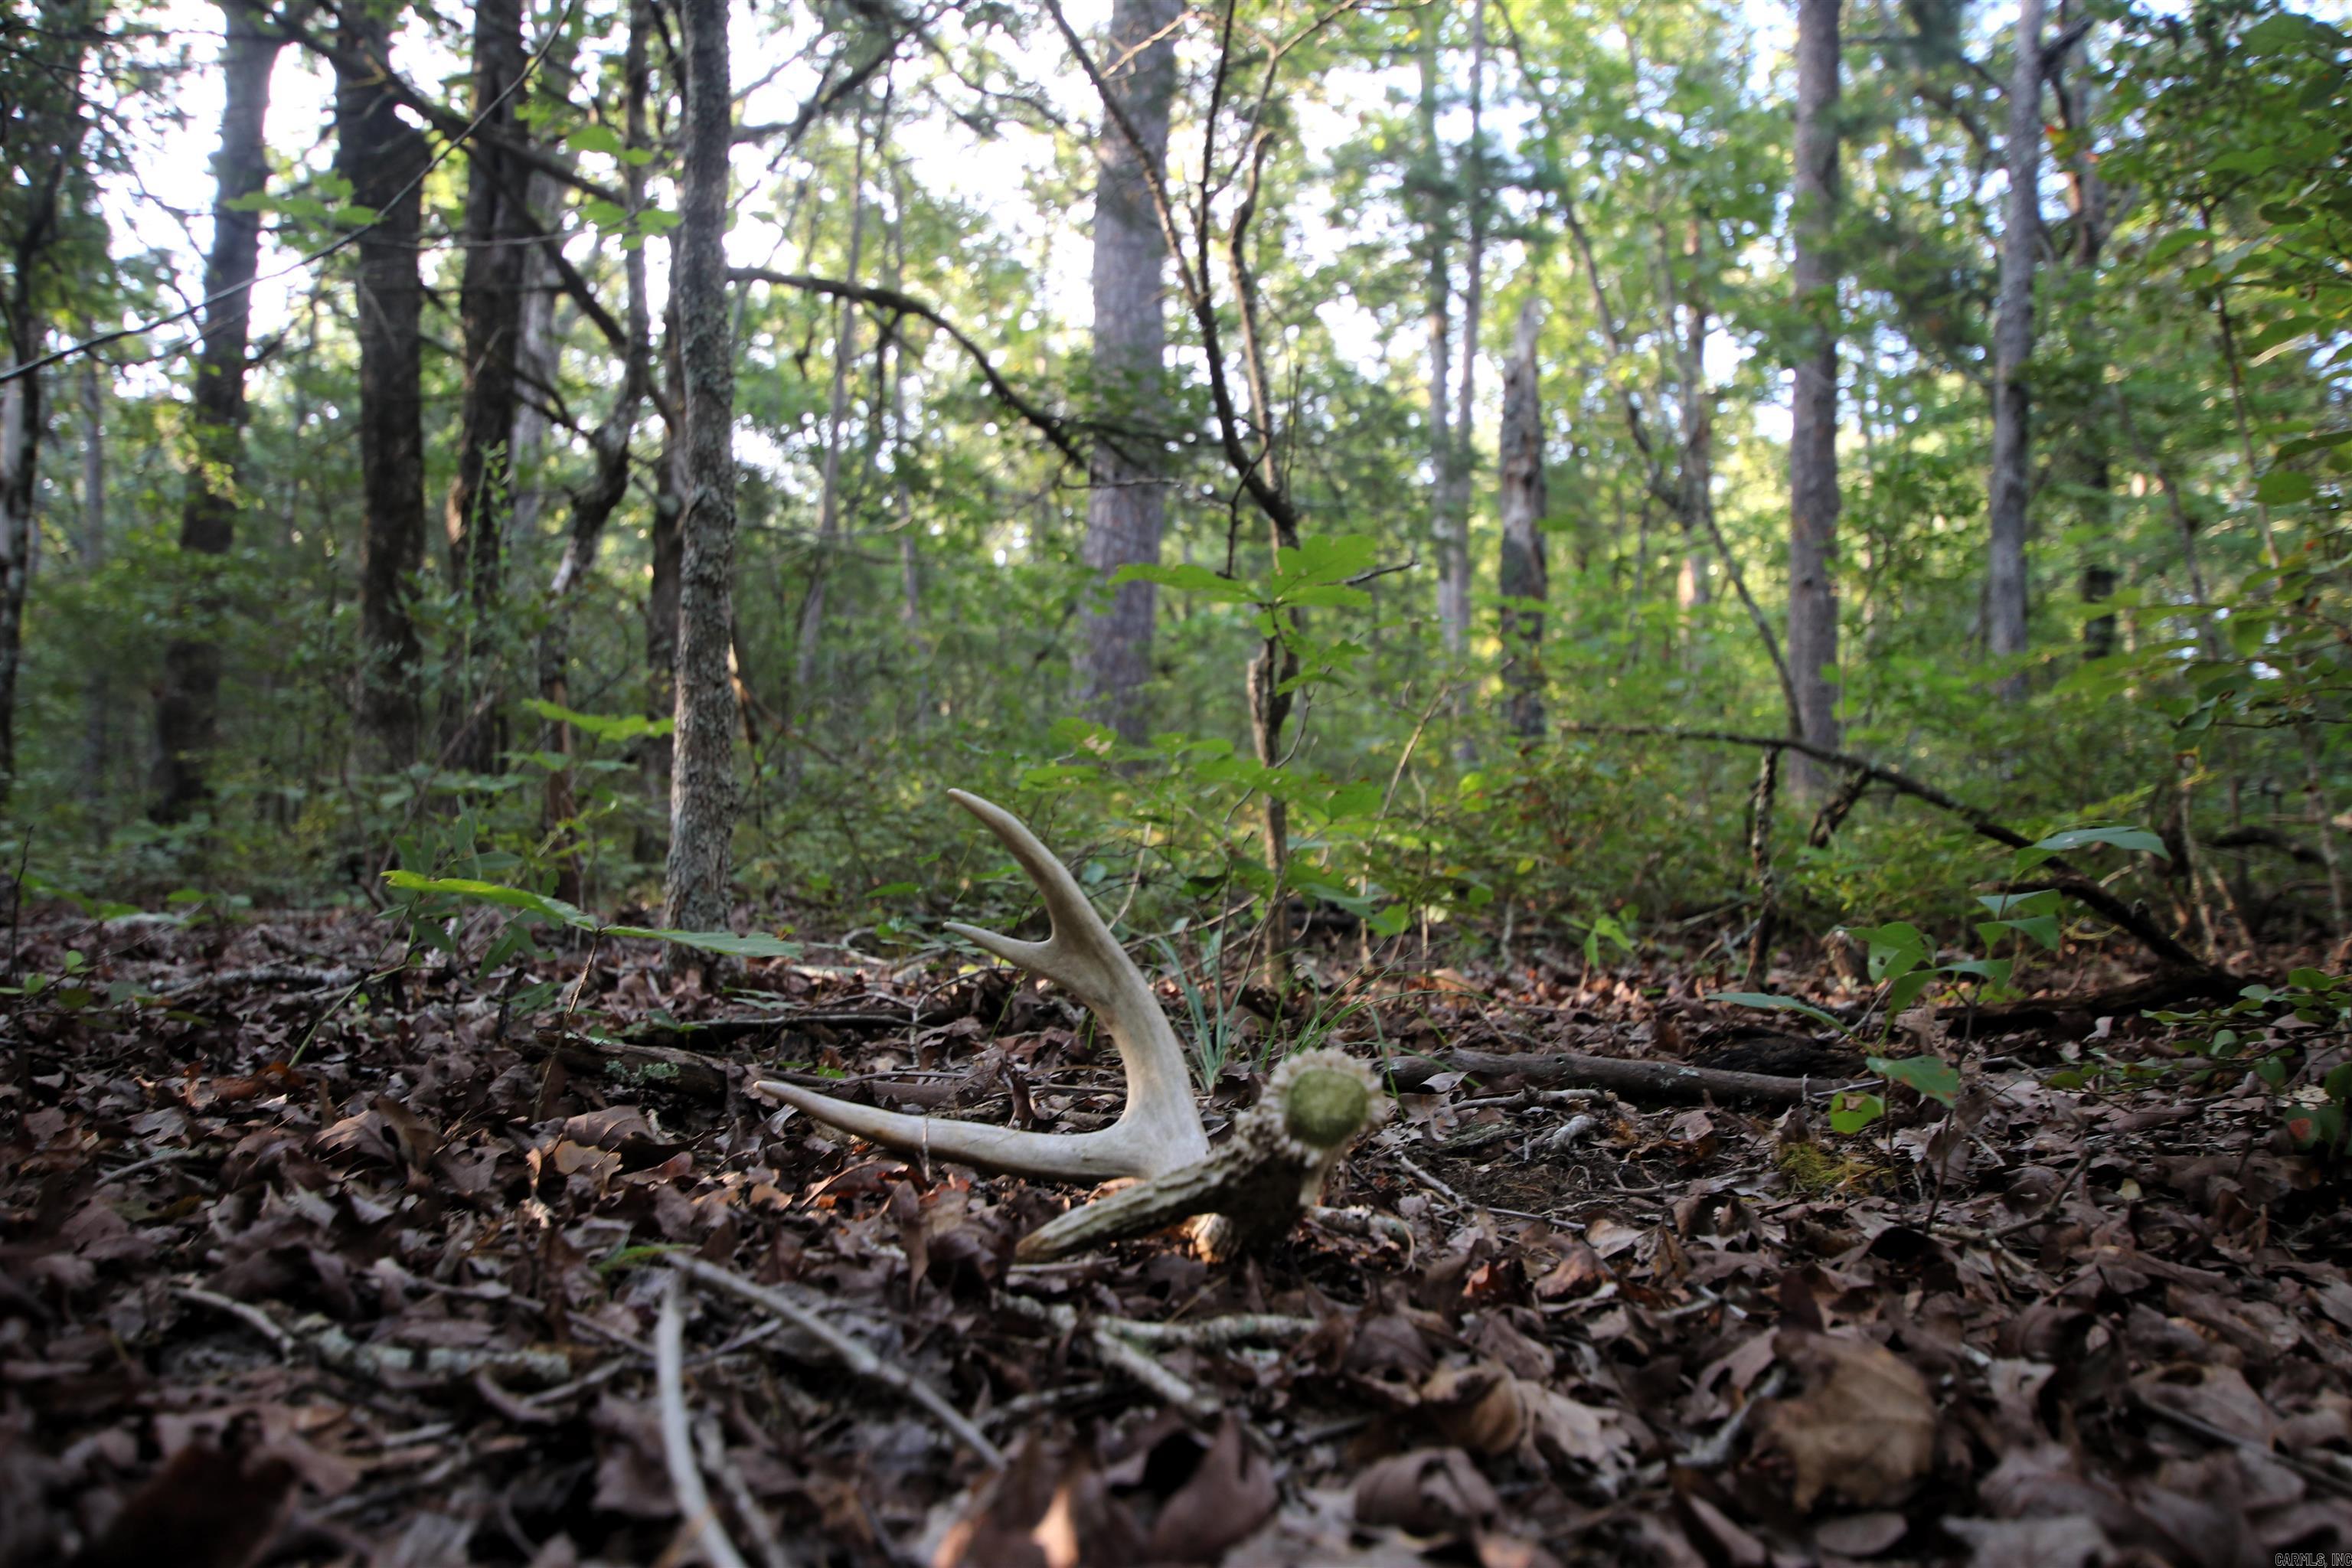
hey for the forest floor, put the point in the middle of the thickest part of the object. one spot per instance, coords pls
(297, 1273)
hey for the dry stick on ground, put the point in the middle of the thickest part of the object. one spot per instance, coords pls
(694, 1505)
(1635, 1079)
(1759, 852)
(2056, 872)
(856, 1357)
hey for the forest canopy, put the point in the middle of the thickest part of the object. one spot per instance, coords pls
(1302, 468)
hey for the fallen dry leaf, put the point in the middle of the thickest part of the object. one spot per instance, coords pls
(1864, 1430)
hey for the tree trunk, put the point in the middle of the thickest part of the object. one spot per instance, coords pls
(2087, 193)
(1813, 500)
(809, 636)
(1523, 580)
(539, 343)
(656, 752)
(2012, 345)
(702, 785)
(1126, 505)
(383, 157)
(187, 712)
(1697, 458)
(593, 504)
(1437, 313)
(1453, 544)
(490, 304)
(97, 723)
(20, 443)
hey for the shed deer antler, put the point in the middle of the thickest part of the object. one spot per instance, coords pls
(1160, 1130)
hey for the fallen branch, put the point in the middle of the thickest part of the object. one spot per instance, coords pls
(694, 1505)
(2056, 869)
(1632, 1077)
(854, 1357)
(684, 1072)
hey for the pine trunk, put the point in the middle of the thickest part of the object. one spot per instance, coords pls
(1126, 506)
(187, 712)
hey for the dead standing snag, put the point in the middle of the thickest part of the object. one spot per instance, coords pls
(1258, 1183)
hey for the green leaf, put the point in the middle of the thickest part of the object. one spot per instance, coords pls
(755, 944)
(2138, 838)
(2284, 487)
(493, 893)
(604, 726)
(1851, 1111)
(1778, 1004)
(594, 139)
(1932, 1077)
(1192, 579)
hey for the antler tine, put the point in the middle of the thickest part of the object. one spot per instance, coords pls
(1080, 955)
(1160, 1130)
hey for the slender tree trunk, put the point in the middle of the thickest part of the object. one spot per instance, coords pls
(96, 726)
(384, 157)
(657, 753)
(809, 637)
(187, 712)
(1126, 505)
(1523, 502)
(2087, 193)
(702, 785)
(481, 492)
(538, 344)
(1697, 459)
(1813, 501)
(1437, 309)
(1453, 544)
(2005, 586)
(593, 504)
(20, 444)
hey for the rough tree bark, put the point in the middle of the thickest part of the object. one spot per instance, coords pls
(187, 712)
(490, 305)
(702, 784)
(1812, 439)
(384, 157)
(1523, 580)
(1127, 506)
(2012, 345)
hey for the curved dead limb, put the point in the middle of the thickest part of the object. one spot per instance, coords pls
(2058, 872)
(1253, 1189)
(1160, 1130)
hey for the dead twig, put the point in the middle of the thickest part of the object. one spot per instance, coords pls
(694, 1503)
(856, 1358)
